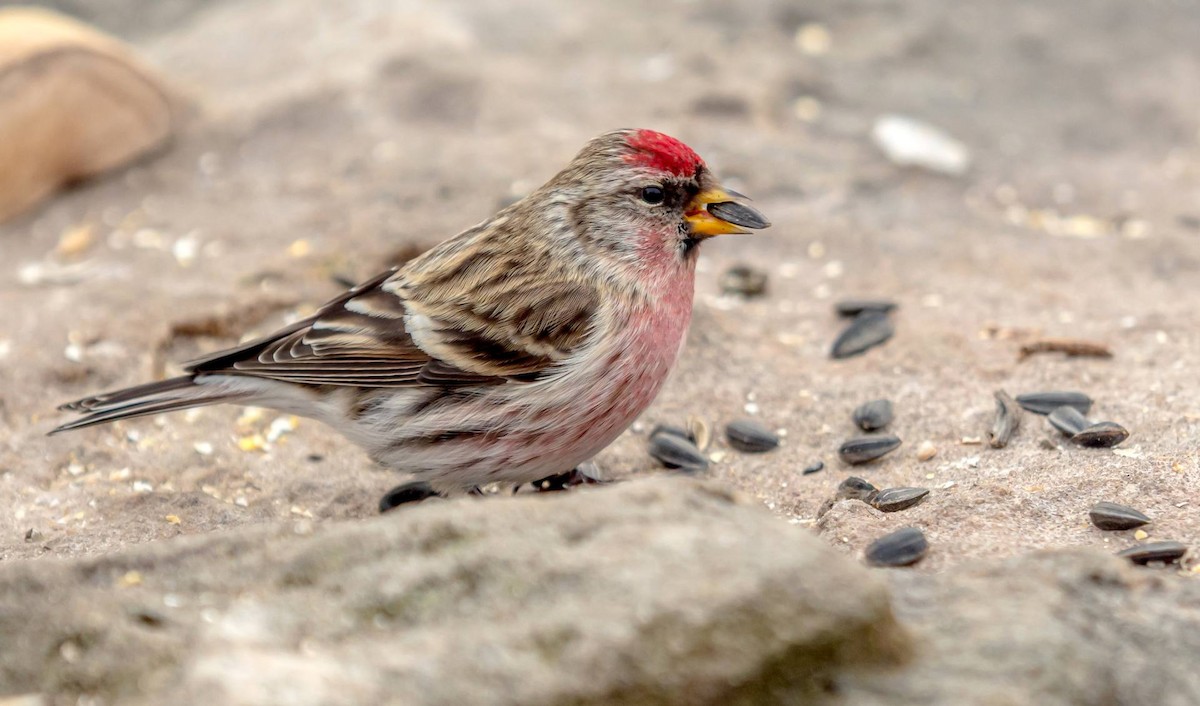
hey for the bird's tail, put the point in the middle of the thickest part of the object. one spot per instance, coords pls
(168, 395)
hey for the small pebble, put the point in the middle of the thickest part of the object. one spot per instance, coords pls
(903, 547)
(873, 415)
(413, 492)
(926, 451)
(853, 307)
(1111, 516)
(1103, 435)
(1047, 402)
(897, 499)
(749, 436)
(868, 330)
(1166, 552)
(677, 452)
(814, 467)
(1068, 420)
(867, 448)
(745, 281)
(855, 488)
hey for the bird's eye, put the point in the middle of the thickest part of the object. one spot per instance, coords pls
(653, 195)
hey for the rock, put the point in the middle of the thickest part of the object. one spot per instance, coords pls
(1063, 628)
(55, 70)
(665, 591)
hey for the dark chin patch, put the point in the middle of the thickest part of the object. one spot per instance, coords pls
(689, 246)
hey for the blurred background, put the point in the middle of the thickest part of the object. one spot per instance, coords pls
(1001, 170)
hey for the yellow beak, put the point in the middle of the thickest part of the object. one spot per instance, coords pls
(717, 212)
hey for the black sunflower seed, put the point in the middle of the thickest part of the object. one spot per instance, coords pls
(855, 488)
(677, 452)
(854, 307)
(413, 492)
(1102, 435)
(1166, 552)
(1111, 516)
(869, 329)
(867, 448)
(873, 415)
(897, 499)
(903, 547)
(744, 280)
(1008, 419)
(673, 430)
(1068, 420)
(814, 467)
(751, 437)
(1047, 402)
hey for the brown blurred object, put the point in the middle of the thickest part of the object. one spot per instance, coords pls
(73, 103)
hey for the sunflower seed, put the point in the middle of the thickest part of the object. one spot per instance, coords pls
(413, 492)
(903, 547)
(867, 448)
(855, 488)
(672, 430)
(896, 499)
(1068, 420)
(1102, 435)
(1008, 419)
(873, 415)
(1166, 552)
(677, 452)
(814, 467)
(1047, 402)
(744, 280)
(749, 436)
(854, 307)
(869, 329)
(1111, 516)
(698, 432)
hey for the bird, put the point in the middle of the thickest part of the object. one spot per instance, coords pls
(513, 351)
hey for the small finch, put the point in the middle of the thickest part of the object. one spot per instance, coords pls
(513, 351)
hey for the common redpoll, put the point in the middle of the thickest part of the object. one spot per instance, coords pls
(515, 350)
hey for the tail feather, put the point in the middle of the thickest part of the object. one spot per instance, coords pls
(152, 398)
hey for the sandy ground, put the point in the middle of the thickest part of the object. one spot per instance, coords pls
(324, 138)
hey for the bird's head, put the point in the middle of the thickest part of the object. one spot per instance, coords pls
(647, 200)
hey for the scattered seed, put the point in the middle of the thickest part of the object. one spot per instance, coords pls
(1141, 534)
(926, 451)
(814, 467)
(1068, 420)
(855, 488)
(672, 430)
(869, 329)
(749, 436)
(896, 499)
(1166, 552)
(677, 452)
(413, 492)
(1072, 347)
(867, 448)
(853, 307)
(1047, 402)
(971, 440)
(744, 280)
(1008, 420)
(699, 433)
(903, 547)
(1102, 435)
(873, 415)
(1111, 516)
